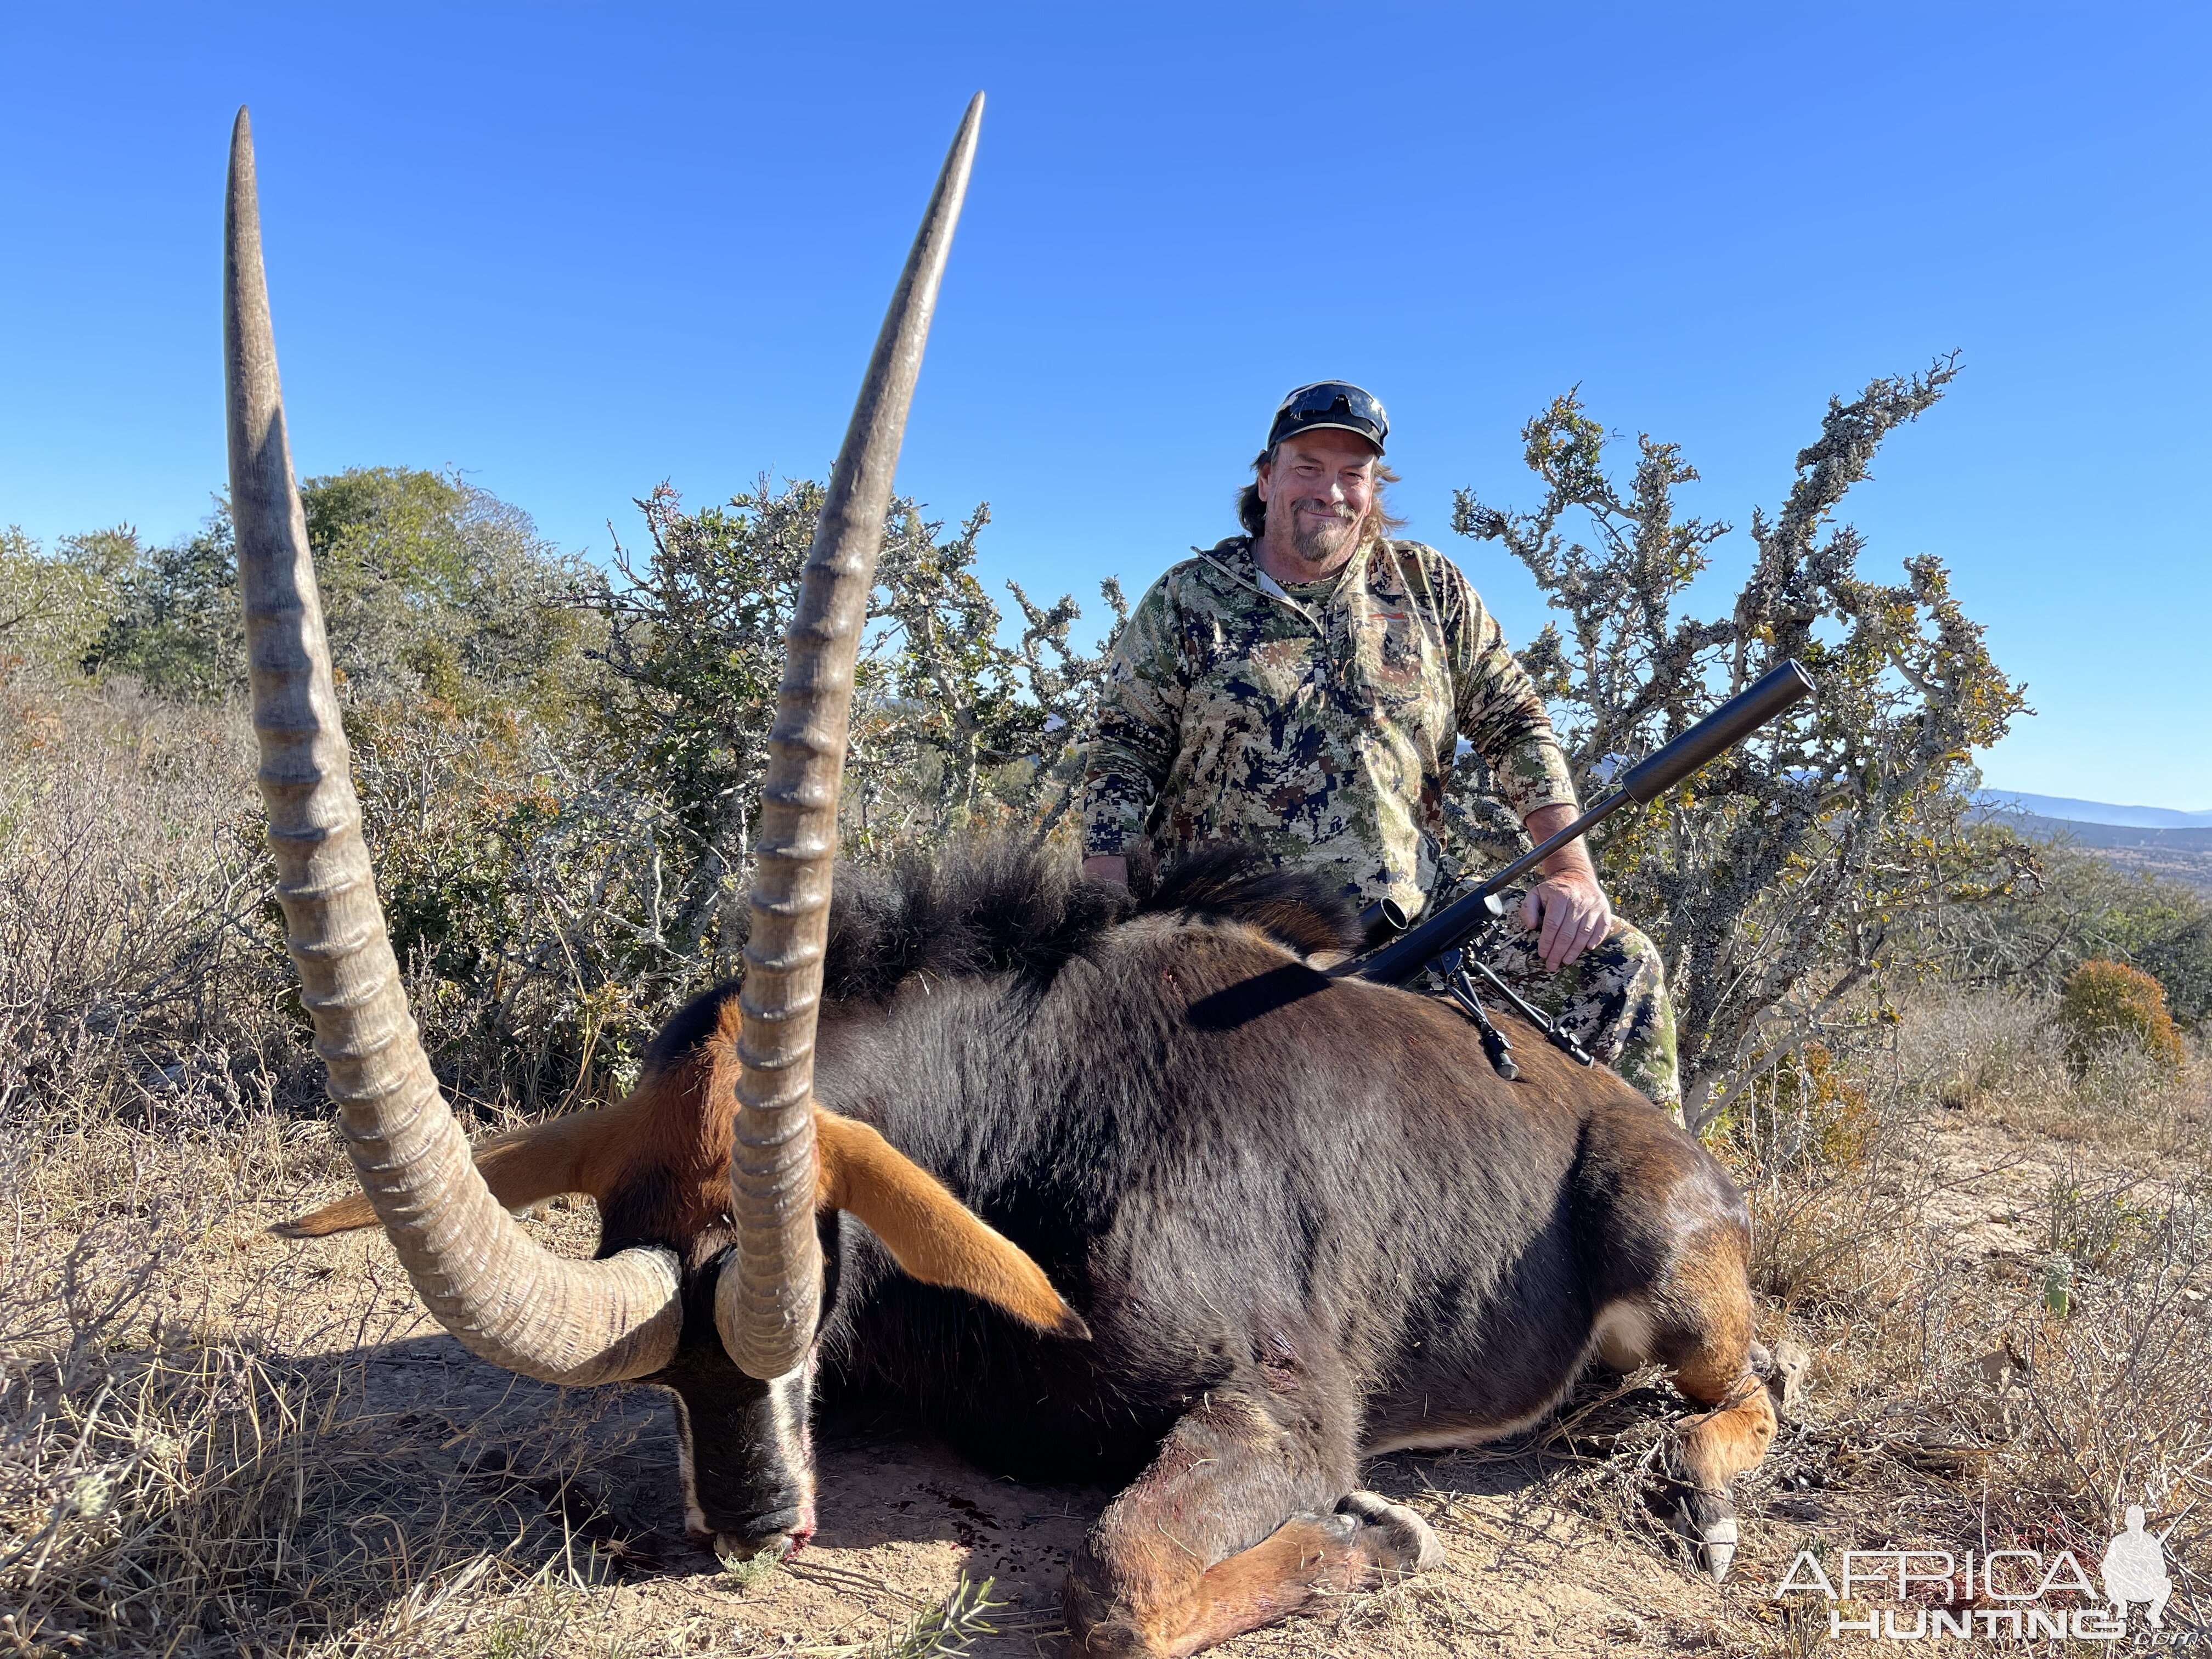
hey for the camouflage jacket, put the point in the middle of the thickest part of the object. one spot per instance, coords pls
(1321, 726)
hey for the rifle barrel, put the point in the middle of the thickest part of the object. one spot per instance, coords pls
(1400, 959)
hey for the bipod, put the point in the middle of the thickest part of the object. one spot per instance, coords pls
(1460, 967)
(1459, 986)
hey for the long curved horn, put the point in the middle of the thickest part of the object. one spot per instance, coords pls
(767, 1296)
(506, 1299)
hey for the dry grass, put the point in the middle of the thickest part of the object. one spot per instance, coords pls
(188, 1460)
(193, 1460)
(203, 1449)
(2008, 1292)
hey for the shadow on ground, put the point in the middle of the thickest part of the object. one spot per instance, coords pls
(591, 1478)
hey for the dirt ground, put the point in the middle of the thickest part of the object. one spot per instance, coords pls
(1545, 1556)
(904, 1519)
(263, 1447)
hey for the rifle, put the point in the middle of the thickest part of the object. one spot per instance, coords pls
(1447, 944)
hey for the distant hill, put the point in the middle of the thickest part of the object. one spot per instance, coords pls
(2070, 810)
(2103, 835)
(2182, 852)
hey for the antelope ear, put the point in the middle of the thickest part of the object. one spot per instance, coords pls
(522, 1167)
(932, 1234)
(342, 1217)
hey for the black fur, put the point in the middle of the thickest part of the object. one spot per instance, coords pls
(1256, 1184)
(1233, 883)
(1013, 908)
(1000, 908)
(1017, 909)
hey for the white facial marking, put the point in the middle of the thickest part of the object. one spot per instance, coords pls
(695, 1518)
(787, 1397)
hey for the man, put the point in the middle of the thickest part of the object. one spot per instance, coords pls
(1303, 688)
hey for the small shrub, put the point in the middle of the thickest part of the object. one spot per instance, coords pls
(2091, 1224)
(1808, 1113)
(1825, 1243)
(2105, 1001)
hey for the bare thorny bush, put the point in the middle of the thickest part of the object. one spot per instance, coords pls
(131, 880)
(1778, 881)
(952, 727)
(140, 947)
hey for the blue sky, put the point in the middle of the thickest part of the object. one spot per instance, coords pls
(576, 251)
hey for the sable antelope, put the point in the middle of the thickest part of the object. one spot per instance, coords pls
(1295, 1220)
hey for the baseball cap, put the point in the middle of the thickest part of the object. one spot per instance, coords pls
(1337, 404)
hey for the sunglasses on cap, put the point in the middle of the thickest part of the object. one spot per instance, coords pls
(1330, 404)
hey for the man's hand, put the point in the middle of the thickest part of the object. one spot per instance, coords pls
(1108, 866)
(1573, 913)
(1568, 905)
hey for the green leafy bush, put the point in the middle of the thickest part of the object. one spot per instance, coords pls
(429, 586)
(54, 606)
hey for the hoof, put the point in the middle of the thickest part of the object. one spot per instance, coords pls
(1785, 1368)
(1706, 1522)
(1117, 1638)
(1399, 1540)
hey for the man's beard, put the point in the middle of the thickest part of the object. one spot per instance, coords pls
(1318, 542)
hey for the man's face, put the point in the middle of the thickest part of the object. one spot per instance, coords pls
(1318, 490)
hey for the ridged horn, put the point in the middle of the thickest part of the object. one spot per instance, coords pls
(768, 1296)
(507, 1300)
